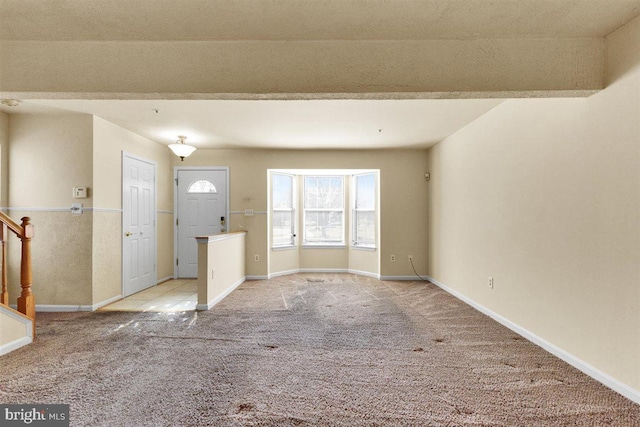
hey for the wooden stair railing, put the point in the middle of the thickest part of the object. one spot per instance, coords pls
(26, 301)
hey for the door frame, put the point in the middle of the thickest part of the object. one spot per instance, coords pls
(155, 215)
(225, 169)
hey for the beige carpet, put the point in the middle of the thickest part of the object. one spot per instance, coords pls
(349, 351)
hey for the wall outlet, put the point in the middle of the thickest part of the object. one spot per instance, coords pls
(491, 282)
(410, 258)
(393, 258)
(213, 273)
(256, 258)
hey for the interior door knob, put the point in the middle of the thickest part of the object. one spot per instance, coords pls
(128, 233)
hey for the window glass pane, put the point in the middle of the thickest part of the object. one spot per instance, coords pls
(365, 228)
(310, 192)
(365, 191)
(323, 192)
(202, 186)
(282, 222)
(282, 191)
(323, 227)
(324, 209)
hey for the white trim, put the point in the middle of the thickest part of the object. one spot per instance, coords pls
(22, 341)
(284, 248)
(408, 278)
(114, 210)
(324, 246)
(363, 248)
(59, 209)
(36, 209)
(258, 277)
(50, 308)
(217, 237)
(59, 308)
(242, 212)
(283, 273)
(14, 314)
(572, 360)
(216, 300)
(364, 273)
(164, 279)
(16, 344)
(321, 270)
(108, 301)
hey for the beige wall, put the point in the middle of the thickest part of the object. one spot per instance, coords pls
(48, 155)
(109, 142)
(544, 196)
(12, 329)
(403, 205)
(221, 267)
(77, 258)
(4, 159)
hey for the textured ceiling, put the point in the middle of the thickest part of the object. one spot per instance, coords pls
(310, 20)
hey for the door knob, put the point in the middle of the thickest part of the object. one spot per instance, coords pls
(128, 233)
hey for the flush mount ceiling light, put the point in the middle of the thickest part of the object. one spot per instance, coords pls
(181, 149)
(10, 102)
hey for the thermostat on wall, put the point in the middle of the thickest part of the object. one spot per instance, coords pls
(79, 192)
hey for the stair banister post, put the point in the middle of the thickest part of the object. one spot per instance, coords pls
(4, 296)
(26, 301)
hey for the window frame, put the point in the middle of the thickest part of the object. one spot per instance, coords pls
(354, 213)
(292, 211)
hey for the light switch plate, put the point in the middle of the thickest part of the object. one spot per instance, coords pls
(76, 208)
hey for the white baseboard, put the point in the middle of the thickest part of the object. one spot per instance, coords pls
(43, 308)
(164, 279)
(101, 304)
(205, 307)
(14, 345)
(323, 270)
(596, 374)
(364, 273)
(402, 278)
(59, 308)
(257, 277)
(283, 273)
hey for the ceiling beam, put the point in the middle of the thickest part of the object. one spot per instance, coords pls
(302, 69)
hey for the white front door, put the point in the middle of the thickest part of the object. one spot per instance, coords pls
(201, 211)
(138, 224)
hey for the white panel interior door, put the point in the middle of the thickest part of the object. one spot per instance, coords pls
(138, 225)
(202, 211)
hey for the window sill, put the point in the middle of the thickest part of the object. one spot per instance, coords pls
(284, 248)
(364, 248)
(340, 246)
